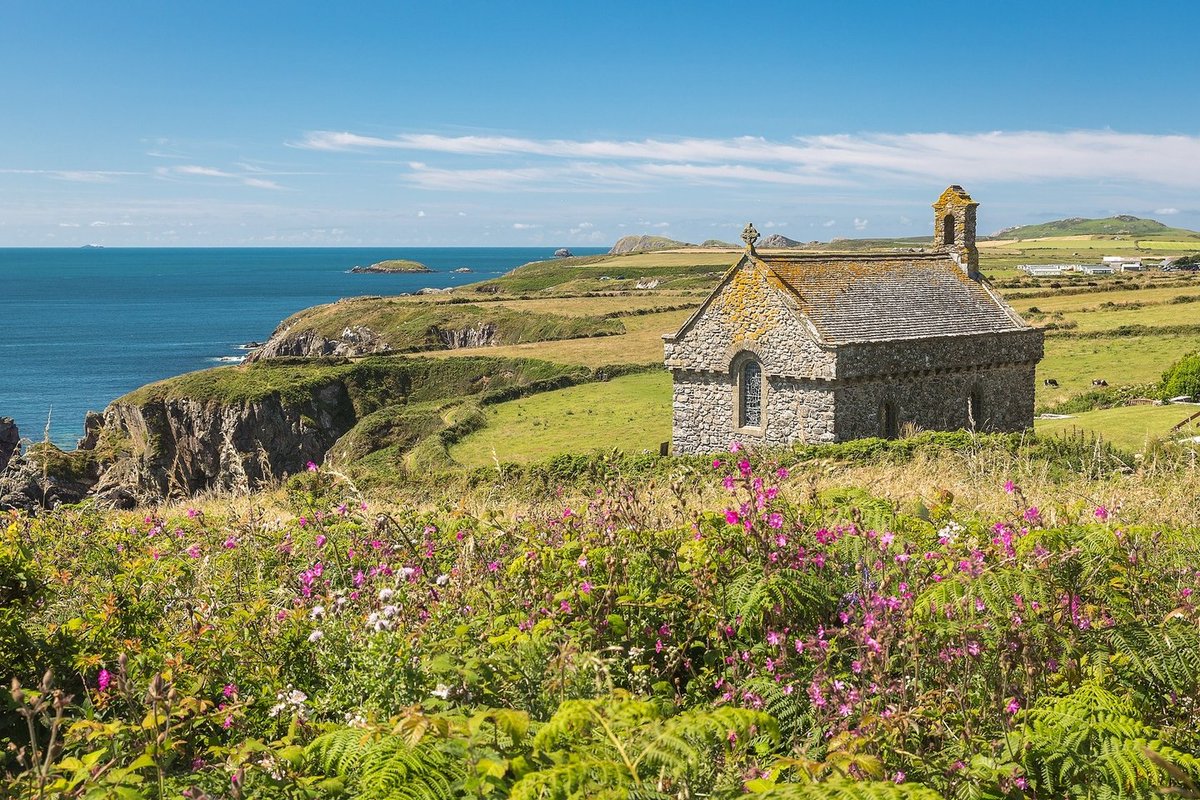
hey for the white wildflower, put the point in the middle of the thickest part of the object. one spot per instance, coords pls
(442, 579)
(406, 573)
(390, 611)
(318, 612)
(386, 594)
(316, 636)
(442, 691)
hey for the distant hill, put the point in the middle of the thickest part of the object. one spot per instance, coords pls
(641, 244)
(1121, 225)
(777, 241)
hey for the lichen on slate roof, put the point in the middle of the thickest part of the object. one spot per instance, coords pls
(870, 298)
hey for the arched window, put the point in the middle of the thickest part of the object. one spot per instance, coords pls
(750, 395)
(975, 409)
(890, 421)
(948, 229)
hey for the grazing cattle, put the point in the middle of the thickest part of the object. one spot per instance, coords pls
(1050, 382)
(1099, 382)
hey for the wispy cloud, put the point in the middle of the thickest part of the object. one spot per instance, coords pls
(196, 170)
(1171, 160)
(73, 175)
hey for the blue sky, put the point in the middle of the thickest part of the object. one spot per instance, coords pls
(539, 123)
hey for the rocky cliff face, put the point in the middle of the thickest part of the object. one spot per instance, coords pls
(178, 447)
(777, 241)
(10, 439)
(641, 244)
(356, 340)
(480, 335)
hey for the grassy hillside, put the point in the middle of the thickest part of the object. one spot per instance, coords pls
(1122, 225)
(408, 325)
(632, 414)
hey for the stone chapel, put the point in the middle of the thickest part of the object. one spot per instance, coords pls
(827, 347)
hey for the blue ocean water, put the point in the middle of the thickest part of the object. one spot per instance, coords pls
(80, 327)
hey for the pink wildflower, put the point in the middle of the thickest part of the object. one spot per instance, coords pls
(1101, 513)
(320, 540)
(312, 466)
(775, 520)
(103, 679)
(731, 516)
(1009, 487)
(1013, 706)
(585, 587)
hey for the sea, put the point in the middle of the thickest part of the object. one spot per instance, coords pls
(80, 327)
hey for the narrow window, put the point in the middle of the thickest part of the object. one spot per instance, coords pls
(891, 422)
(975, 409)
(948, 229)
(751, 395)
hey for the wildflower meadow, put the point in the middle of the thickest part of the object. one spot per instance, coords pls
(778, 641)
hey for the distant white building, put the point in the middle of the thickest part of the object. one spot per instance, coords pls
(1123, 263)
(1097, 269)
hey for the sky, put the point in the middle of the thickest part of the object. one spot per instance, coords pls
(564, 123)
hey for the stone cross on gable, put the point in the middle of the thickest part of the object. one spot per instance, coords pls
(750, 236)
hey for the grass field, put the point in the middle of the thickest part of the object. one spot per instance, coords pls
(1129, 428)
(1120, 360)
(640, 344)
(631, 413)
(1092, 301)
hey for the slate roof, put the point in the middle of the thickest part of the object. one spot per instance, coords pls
(880, 297)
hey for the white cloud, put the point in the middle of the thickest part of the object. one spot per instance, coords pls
(68, 224)
(420, 214)
(831, 159)
(524, 226)
(72, 175)
(860, 224)
(829, 223)
(196, 170)
(1166, 211)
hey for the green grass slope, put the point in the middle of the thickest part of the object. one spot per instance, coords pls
(411, 325)
(1121, 225)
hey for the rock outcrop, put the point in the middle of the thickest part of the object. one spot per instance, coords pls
(563, 252)
(641, 244)
(176, 447)
(10, 440)
(400, 265)
(355, 340)
(481, 335)
(777, 241)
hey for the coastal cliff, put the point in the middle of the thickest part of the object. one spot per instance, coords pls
(241, 428)
(363, 326)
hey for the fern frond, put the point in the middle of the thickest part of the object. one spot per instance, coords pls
(843, 789)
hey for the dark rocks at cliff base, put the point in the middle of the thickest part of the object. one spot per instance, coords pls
(10, 440)
(563, 252)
